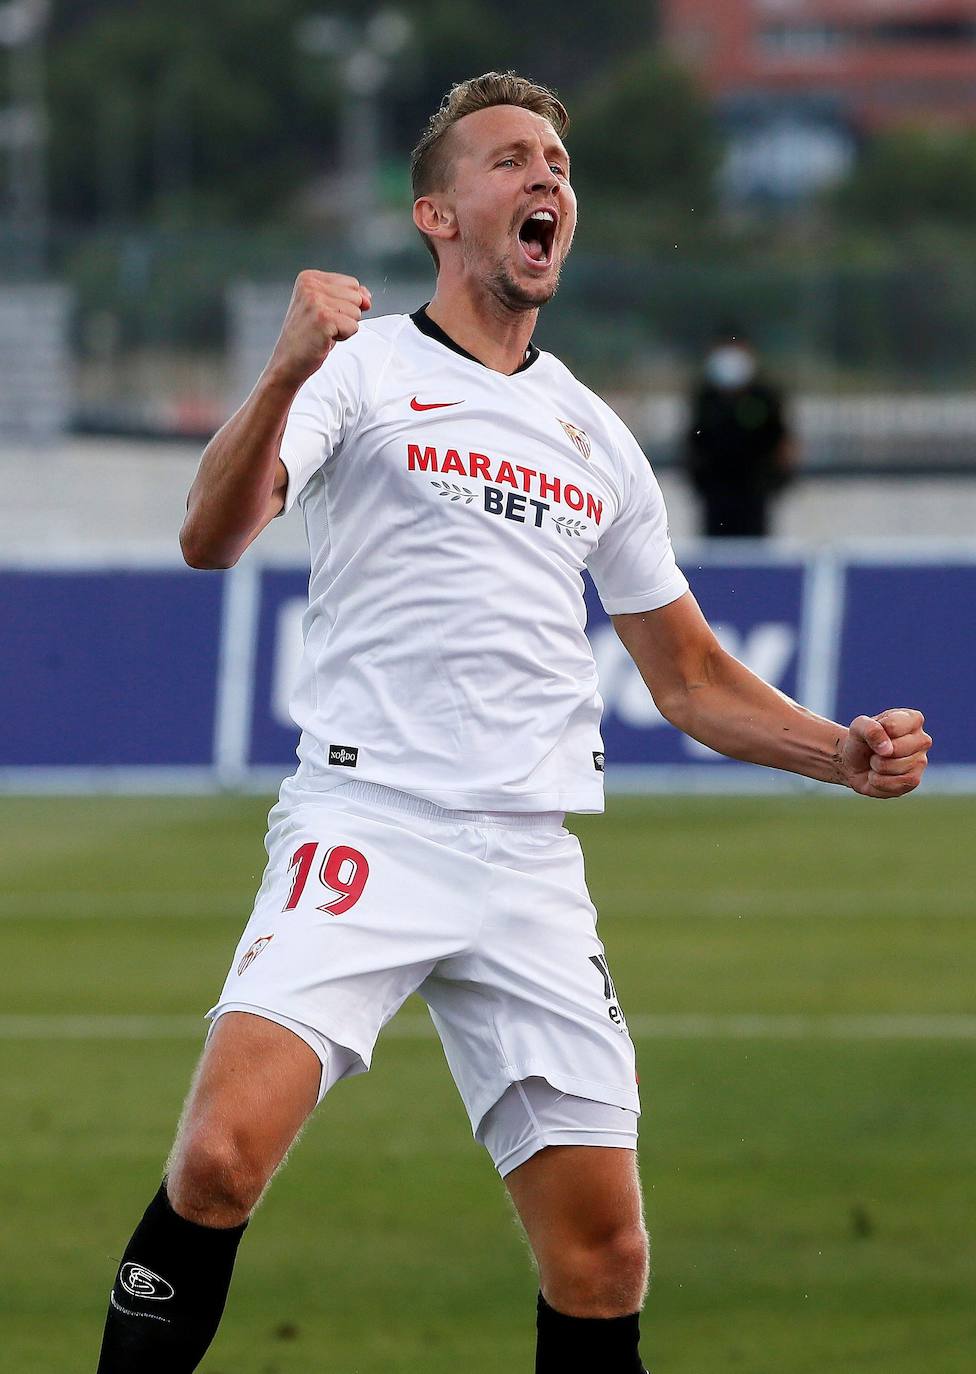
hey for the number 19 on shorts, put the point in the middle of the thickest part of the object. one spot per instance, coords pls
(343, 871)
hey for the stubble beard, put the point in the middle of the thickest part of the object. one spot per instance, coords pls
(499, 281)
(514, 294)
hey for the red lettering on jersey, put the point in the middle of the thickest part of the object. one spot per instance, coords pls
(426, 461)
(452, 463)
(480, 465)
(547, 488)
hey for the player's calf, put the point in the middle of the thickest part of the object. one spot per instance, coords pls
(169, 1293)
(567, 1343)
(256, 1084)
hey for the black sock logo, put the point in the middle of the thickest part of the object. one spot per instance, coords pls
(143, 1283)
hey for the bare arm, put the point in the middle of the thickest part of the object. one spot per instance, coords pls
(241, 482)
(713, 697)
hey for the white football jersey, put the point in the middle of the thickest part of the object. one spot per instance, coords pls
(450, 512)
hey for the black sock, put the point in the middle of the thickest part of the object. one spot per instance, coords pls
(169, 1293)
(586, 1345)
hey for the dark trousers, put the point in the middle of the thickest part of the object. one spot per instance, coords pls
(736, 514)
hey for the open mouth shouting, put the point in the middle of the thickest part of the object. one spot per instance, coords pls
(537, 235)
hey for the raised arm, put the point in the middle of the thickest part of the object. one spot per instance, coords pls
(713, 697)
(240, 484)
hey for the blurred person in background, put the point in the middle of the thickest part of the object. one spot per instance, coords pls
(739, 450)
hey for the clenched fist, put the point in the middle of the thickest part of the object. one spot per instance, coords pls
(885, 755)
(325, 307)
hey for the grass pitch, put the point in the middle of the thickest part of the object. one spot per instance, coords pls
(799, 974)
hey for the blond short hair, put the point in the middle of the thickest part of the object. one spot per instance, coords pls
(430, 161)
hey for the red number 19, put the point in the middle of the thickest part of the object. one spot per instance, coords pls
(344, 871)
(301, 863)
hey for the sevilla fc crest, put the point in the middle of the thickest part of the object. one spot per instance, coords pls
(253, 953)
(578, 436)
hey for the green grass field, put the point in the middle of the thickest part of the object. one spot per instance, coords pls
(800, 974)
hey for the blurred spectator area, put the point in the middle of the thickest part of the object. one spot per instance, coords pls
(800, 83)
(845, 435)
(161, 334)
(35, 364)
(804, 168)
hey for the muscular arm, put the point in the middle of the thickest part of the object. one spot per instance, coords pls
(240, 484)
(713, 697)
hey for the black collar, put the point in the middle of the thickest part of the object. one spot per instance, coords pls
(433, 331)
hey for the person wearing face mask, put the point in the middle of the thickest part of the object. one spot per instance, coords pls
(739, 451)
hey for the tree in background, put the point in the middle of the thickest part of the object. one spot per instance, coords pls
(557, 42)
(911, 177)
(207, 111)
(182, 111)
(645, 151)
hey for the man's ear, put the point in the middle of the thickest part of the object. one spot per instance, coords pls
(436, 220)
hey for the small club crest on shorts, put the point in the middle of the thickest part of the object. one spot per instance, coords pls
(343, 755)
(253, 953)
(599, 760)
(579, 437)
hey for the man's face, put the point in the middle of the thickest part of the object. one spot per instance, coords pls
(515, 210)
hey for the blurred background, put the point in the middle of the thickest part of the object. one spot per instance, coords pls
(774, 282)
(809, 167)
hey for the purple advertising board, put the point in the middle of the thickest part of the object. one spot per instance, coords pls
(756, 610)
(113, 668)
(116, 671)
(283, 598)
(907, 639)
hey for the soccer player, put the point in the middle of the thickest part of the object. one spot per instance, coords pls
(454, 482)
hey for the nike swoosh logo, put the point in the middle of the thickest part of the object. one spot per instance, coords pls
(433, 405)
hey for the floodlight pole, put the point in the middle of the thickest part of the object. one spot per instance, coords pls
(363, 76)
(364, 59)
(23, 126)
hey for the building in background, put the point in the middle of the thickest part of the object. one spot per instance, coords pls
(800, 82)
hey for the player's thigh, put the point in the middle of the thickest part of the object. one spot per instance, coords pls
(254, 1087)
(578, 1197)
(358, 903)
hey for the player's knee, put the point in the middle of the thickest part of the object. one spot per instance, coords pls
(606, 1276)
(632, 1257)
(215, 1180)
(619, 1267)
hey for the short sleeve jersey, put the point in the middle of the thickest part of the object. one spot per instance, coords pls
(450, 512)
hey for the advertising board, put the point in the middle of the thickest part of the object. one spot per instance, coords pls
(151, 677)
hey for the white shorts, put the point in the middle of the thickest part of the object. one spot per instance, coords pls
(531, 1115)
(371, 895)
